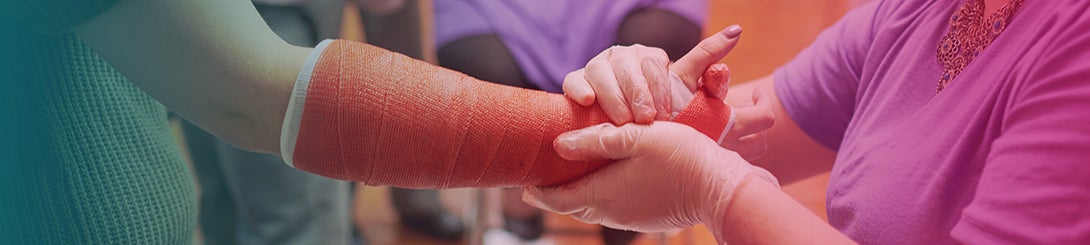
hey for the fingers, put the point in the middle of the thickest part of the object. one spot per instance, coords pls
(717, 80)
(748, 136)
(679, 95)
(709, 51)
(567, 199)
(605, 85)
(629, 83)
(628, 69)
(655, 64)
(578, 89)
(756, 118)
(599, 142)
(752, 147)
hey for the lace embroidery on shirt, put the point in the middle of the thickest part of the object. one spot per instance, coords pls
(968, 35)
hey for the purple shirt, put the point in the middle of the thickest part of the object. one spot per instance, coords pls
(549, 38)
(1002, 155)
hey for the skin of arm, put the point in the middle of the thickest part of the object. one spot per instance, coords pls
(807, 157)
(762, 214)
(214, 62)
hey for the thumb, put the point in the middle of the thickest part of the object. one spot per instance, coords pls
(709, 51)
(717, 80)
(566, 199)
(600, 142)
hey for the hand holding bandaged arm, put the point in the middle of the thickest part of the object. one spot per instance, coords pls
(365, 114)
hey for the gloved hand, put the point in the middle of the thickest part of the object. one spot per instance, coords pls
(638, 84)
(667, 176)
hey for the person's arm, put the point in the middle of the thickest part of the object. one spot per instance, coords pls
(371, 115)
(214, 62)
(666, 177)
(757, 102)
(812, 98)
(807, 157)
(760, 213)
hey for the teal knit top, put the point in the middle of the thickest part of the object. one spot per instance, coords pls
(85, 156)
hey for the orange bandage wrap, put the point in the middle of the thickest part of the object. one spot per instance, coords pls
(381, 118)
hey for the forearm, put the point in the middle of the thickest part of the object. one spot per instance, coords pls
(380, 118)
(759, 213)
(214, 62)
(791, 155)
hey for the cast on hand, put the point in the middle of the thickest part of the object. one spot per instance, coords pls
(667, 176)
(637, 84)
(369, 115)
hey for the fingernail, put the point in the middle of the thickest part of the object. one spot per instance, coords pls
(588, 95)
(642, 107)
(529, 198)
(566, 141)
(624, 116)
(733, 31)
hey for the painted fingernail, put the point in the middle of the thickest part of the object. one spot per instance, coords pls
(733, 31)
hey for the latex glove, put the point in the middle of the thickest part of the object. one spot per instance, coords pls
(668, 176)
(637, 84)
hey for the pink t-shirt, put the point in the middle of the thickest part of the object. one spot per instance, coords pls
(1002, 155)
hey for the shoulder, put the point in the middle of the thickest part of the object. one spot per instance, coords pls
(1057, 57)
(53, 16)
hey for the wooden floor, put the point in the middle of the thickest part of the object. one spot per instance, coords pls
(775, 30)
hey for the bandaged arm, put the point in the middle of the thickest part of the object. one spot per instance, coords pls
(218, 65)
(365, 114)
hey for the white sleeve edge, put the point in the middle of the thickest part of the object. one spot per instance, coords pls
(730, 124)
(289, 132)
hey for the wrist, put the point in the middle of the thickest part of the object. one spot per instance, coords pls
(759, 213)
(721, 209)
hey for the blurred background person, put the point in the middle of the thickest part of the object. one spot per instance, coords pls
(398, 25)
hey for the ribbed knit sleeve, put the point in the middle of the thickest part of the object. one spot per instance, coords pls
(52, 16)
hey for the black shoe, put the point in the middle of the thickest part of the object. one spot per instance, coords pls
(420, 211)
(527, 229)
(357, 238)
(441, 225)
